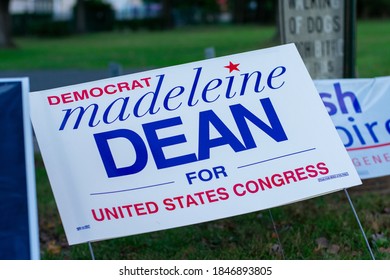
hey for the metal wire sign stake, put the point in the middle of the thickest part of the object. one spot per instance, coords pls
(91, 250)
(360, 225)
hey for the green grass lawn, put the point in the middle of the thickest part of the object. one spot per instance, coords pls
(160, 49)
(319, 228)
(373, 49)
(133, 49)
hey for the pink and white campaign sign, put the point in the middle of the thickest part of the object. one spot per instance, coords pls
(360, 111)
(187, 144)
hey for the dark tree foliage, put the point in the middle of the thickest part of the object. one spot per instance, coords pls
(174, 12)
(373, 8)
(93, 15)
(253, 11)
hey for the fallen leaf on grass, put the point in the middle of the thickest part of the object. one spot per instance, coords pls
(53, 248)
(384, 250)
(322, 243)
(386, 210)
(276, 249)
(377, 236)
(355, 253)
(379, 239)
(375, 225)
(334, 249)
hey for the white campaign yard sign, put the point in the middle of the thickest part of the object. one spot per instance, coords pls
(187, 144)
(360, 111)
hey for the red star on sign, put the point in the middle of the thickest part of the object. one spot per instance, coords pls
(232, 67)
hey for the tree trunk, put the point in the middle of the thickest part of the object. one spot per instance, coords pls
(5, 25)
(167, 14)
(81, 26)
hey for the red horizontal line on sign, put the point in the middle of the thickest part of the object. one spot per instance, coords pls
(282, 156)
(139, 188)
(368, 147)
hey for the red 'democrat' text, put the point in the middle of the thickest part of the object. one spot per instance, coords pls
(95, 92)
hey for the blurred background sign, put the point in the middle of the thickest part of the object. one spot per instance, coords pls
(19, 235)
(323, 32)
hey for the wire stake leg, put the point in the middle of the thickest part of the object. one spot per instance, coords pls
(360, 225)
(91, 250)
(276, 232)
